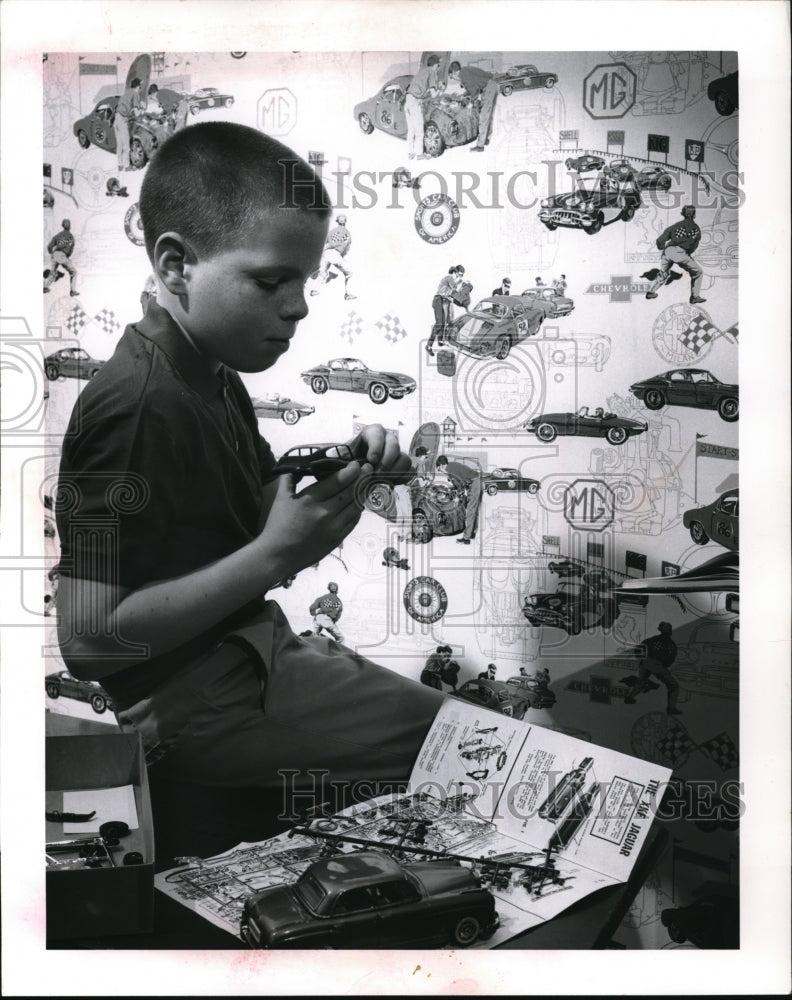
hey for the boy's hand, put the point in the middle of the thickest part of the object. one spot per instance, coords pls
(380, 448)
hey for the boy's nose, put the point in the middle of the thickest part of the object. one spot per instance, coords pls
(296, 306)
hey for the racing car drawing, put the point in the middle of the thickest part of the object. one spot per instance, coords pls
(497, 696)
(277, 407)
(351, 375)
(718, 521)
(615, 429)
(496, 324)
(524, 77)
(560, 305)
(71, 362)
(572, 607)
(63, 685)
(584, 163)
(209, 97)
(508, 481)
(611, 196)
(689, 387)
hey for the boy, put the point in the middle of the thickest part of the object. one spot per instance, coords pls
(171, 526)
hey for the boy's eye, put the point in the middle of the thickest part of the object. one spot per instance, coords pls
(269, 283)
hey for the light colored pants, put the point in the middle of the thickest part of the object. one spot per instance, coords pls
(413, 112)
(326, 622)
(334, 258)
(121, 126)
(59, 257)
(676, 255)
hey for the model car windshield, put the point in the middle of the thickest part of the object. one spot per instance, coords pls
(309, 891)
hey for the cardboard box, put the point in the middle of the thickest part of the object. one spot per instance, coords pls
(94, 902)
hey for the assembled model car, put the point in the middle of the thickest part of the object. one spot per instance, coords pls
(447, 121)
(559, 304)
(63, 685)
(524, 77)
(317, 460)
(496, 324)
(508, 481)
(497, 696)
(209, 97)
(351, 375)
(609, 198)
(653, 179)
(724, 92)
(689, 387)
(584, 163)
(538, 694)
(615, 429)
(719, 521)
(280, 407)
(71, 362)
(369, 900)
(572, 607)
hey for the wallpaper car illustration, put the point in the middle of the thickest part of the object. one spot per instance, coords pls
(524, 77)
(497, 696)
(724, 93)
(71, 362)
(63, 685)
(572, 607)
(718, 521)
(496, 324)
(508, 481)
(351, 375)
(280, 407)
(654, 179)
(437, 508)
(689, 387)
(608, 198)
(584, 163)
(209, 97)
(368, 900)
(317, 460)
(559, 304)
(539, 695)
(615, 429)
(447, 122)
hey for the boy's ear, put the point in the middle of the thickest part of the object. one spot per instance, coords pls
(171, 255)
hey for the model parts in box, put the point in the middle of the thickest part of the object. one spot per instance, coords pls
(99, 845)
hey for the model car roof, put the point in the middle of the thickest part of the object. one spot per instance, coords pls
(345, 871)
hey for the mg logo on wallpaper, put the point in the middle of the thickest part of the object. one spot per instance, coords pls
(277, 111)
(609, 91)
(589, 505)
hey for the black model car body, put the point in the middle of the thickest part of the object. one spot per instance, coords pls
(562, 794)
(277, 407)
(497, 696)
(447, 121)
(719, 521)
(317, 460)
(496, 324)
(524, 77)
(71, 362)
(508, 481)
(724, 93)
(209, 97)
(689, 387)
(615, 429)
(351, 375)
(560, 305)
(609, 197)
(572, 607)
(63, 685)
(584, 163)
(537, 693)
(369, 900)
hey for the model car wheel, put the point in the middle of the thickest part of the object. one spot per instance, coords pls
(137, 154)
(421, 528)
(53, 690)
(698, 534)
(83, 139)
(550, 82)
(433, 140)
(729, 409)
(502, 346)
(616, 435)
(365, 123)
(319, 384)
(507, 90)
(466, 931)
(291, 416)
(595, 226)
(378, 497)
(723, 104)
(654, 399)
(378, 392)
(492, 490)
(98, 703)
(533, 488)
(546, 432)
(51, 372)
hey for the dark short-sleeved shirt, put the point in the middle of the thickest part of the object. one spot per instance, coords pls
(162, 473)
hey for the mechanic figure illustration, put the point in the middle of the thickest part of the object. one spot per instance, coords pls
(678, 243)
(327, 610)
(442, 304)
(424, 84)
(439, 668)
(128, 108)
(479, 85)
(659, 652)
(467, 482)
(60, 249)
(337, 245)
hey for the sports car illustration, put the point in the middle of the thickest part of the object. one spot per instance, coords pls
(653, 179)
(608, 198)
(71, 362)
(351, 375)
(718, 521)
(508, 481)
(567, 568)
(538, 694)
(724, 93)
(368, 900)
(497, 696)
(63, 685)
(496, 324)
(572, 607)
(317, 460)
(559, 304)
(209, 97)
(447, 121)
(524, 77)
(615, 429)
(584, 163)
(277, 407)
(689, 387)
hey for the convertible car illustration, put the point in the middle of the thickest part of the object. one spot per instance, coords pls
(572, 607)
(447, 121)
(63, 685)
(71, 362)
(719, 521)
(612, 195)
(496, 324)
(559, 304)
(524, 77)
(368, 900)
(351, 375)
(277, 407)
(615, 429)
(508, 481)
(689, 387)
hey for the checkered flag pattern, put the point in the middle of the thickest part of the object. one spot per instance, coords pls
(107, 320)
(76, 319)
(675, 746)
(722, 750)
(352, 327)
(732, 332)
(391, 327)
(698, 333)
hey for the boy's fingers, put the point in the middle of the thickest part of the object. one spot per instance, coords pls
(286, 485)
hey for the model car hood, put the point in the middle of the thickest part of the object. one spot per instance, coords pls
(572, 199)
(277, 909)
(443, 876)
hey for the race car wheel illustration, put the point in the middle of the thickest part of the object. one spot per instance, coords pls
(551, 226)
(550, 82)
(137, 154)
(654, 399)
(595, 226)
(83, 139)
(698, 534)
(546, 432)
(421, 528)
(433, 140)
(502, 346)
(466, 931)
(378, 392)
(229, 102)
(238, 55)
(319, 384)
(98, 704)
(492, 490)
(53, 691)
(51, 372)
(378, 497)
(365, 123)
(194, 109)
(628, 212)
(291, 416)
(616, 435)
(507, 90)
(533, 488)
(723, 104)
(729, 409)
